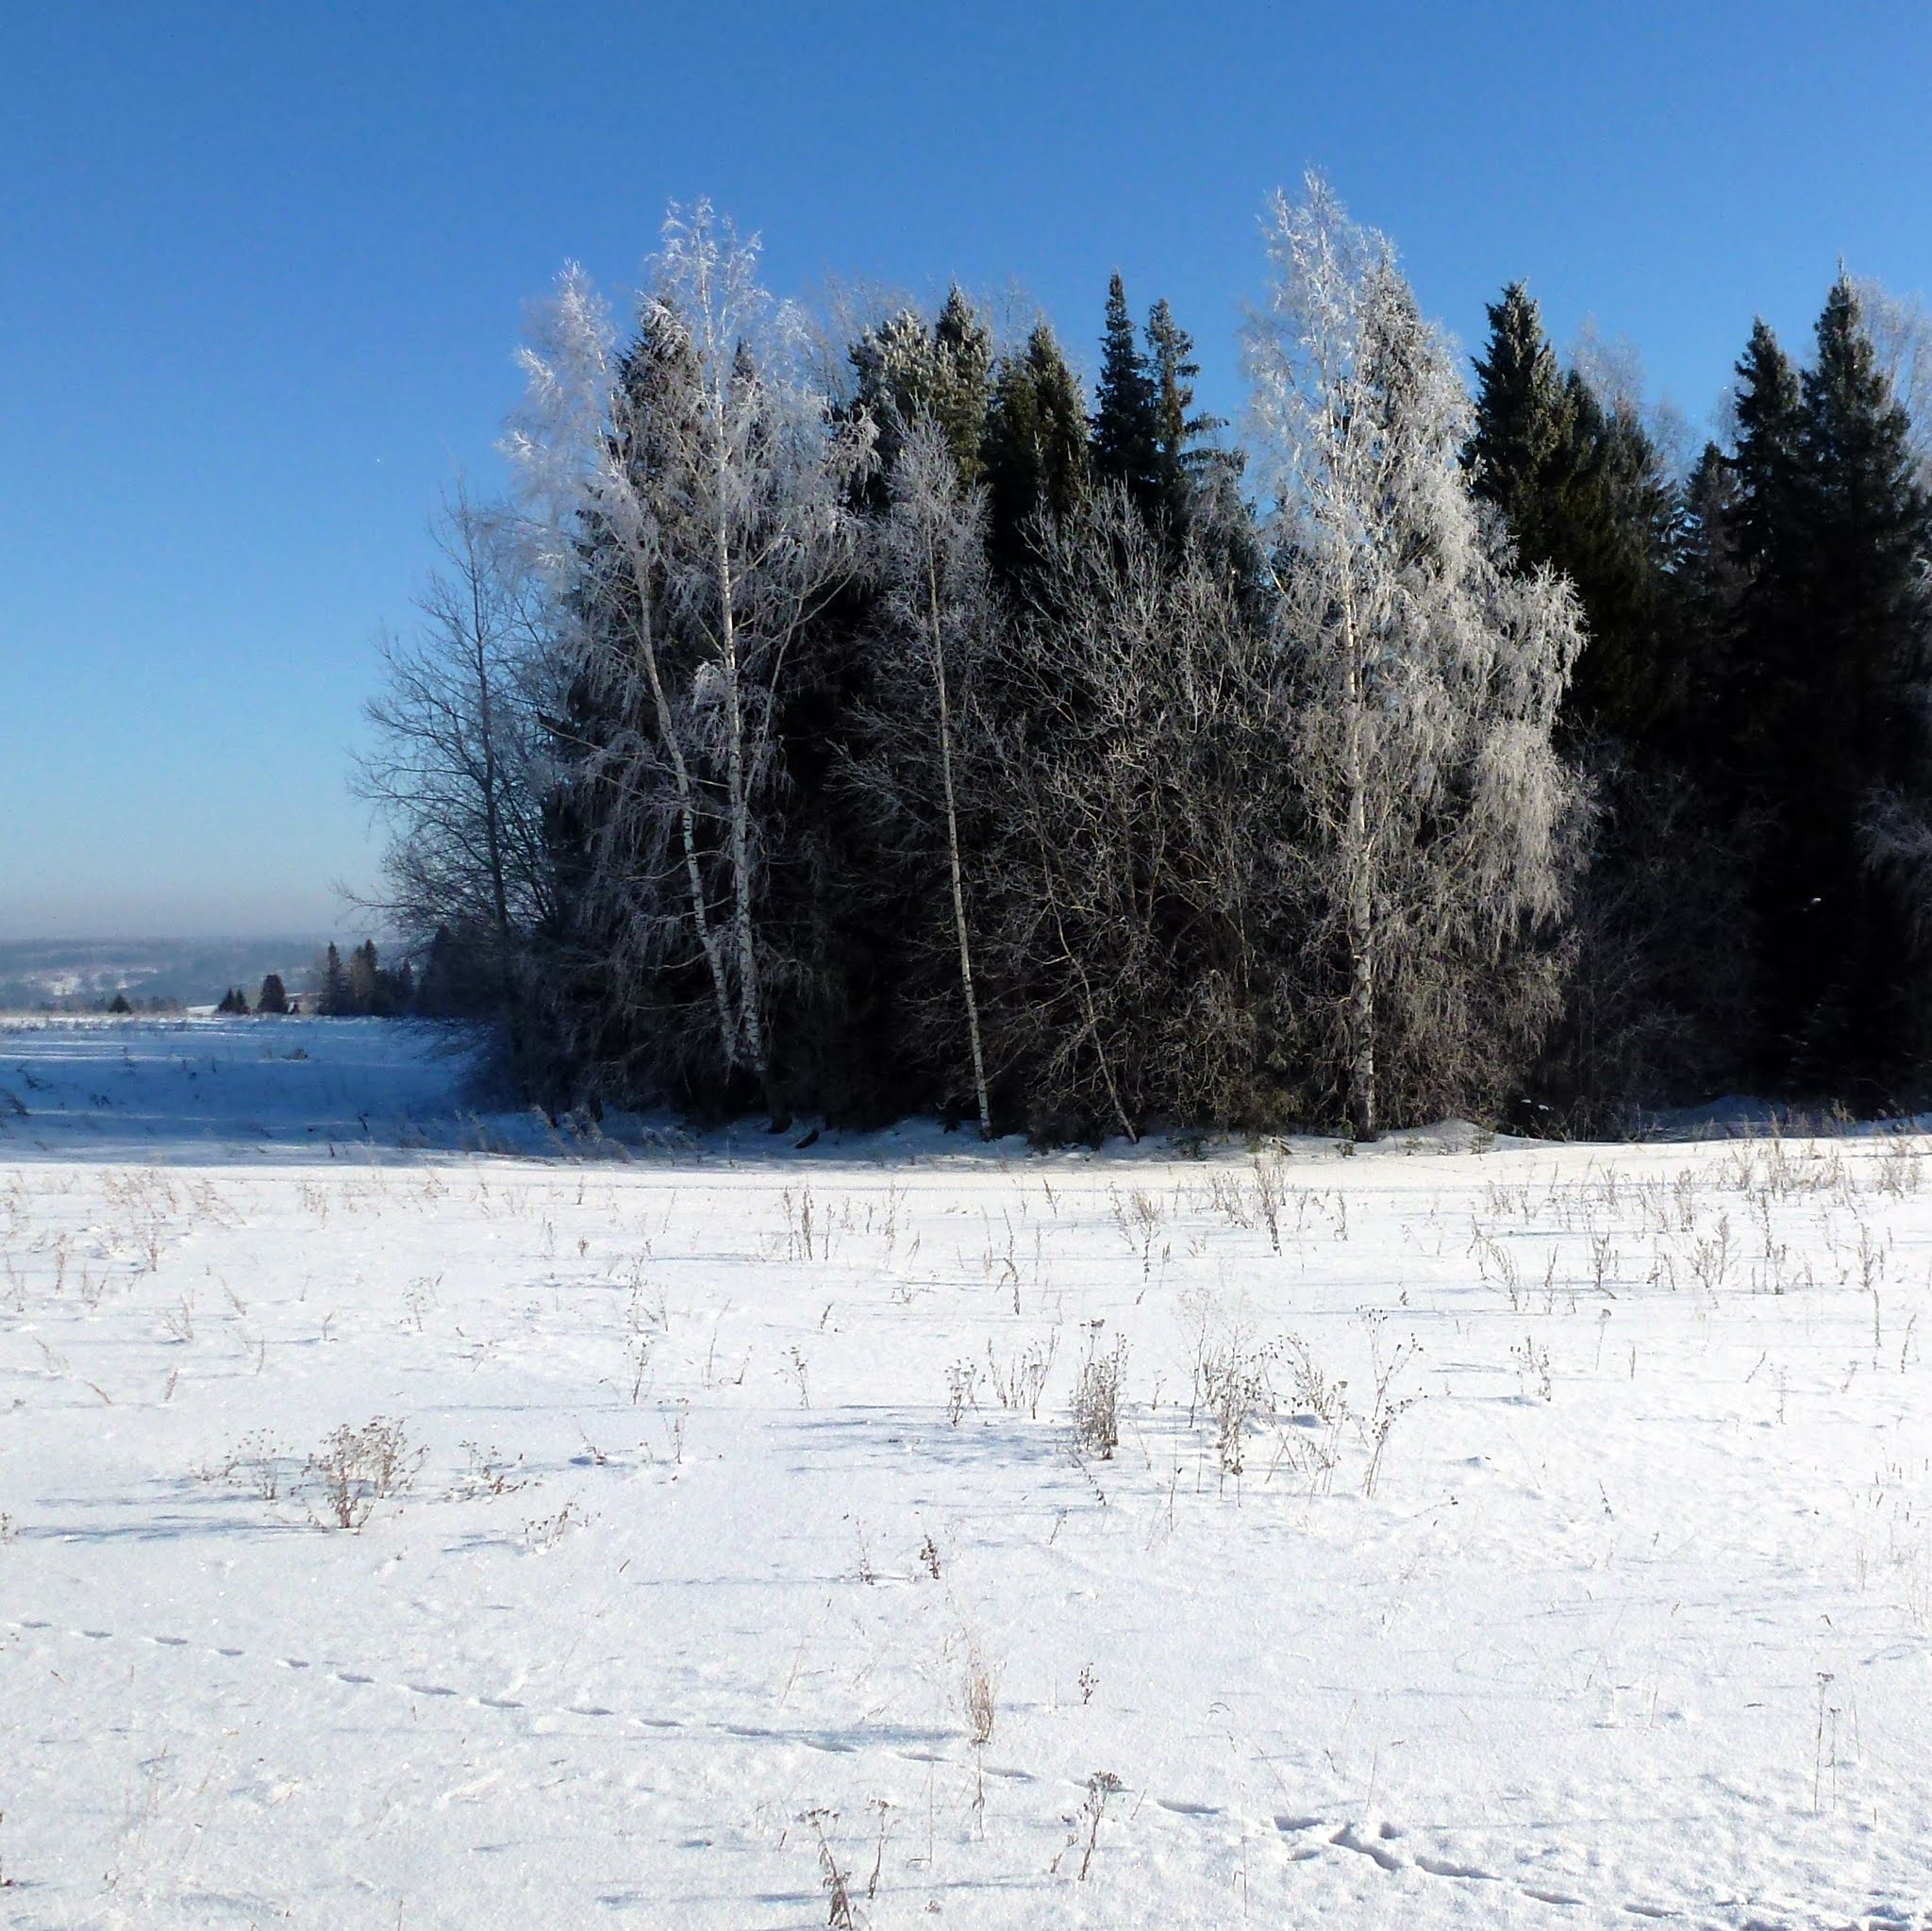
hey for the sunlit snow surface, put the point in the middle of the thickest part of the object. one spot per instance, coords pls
(693, 1558)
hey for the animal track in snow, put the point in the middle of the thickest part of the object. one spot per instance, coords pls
(1348, 1841)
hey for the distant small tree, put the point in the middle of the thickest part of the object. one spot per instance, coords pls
(273, 996)
(233, 1000)
(364, 978)
(332, 1002)
(119, 1005)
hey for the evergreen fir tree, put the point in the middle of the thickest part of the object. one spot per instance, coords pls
(1035, 449)
(962, 351)
(364, 978)
(1707, 583)
(1127, 410)
(1524, 427)
(1763, 544)
(333, 1002)
(908, 372)
(1179, 465)
(1842, 724)
(1756, 657)
(274, 997)
(1581, 488)
(1613, 531)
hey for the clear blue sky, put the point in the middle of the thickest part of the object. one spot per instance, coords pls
(262, 269)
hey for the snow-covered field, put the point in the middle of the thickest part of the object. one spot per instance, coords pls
(1506, 1535)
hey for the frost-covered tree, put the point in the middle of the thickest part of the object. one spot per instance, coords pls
(1900, 328)
(696, 495)
(1440, 819)
(908, 372)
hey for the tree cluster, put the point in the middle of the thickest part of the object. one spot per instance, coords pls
(1751, 704)
(363, 989)
(904, 728)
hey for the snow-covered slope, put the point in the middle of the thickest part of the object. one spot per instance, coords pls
(1531, 1536)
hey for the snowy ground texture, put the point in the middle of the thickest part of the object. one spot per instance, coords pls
(1497, 1534)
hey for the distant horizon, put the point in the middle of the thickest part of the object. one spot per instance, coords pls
(240, 936)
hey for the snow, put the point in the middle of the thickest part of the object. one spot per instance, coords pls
(709, 1505)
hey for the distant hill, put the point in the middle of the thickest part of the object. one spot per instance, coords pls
(76, 973)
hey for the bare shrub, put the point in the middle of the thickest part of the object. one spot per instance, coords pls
(1270, 1192)
(1387, 1407)
(979, 1694)
(1533, 1366)
(262, 1464)
(486, 1473)
(545, 1532)
(1320, 1411)
(1096, 1400)
(1023, 1381)
(1236, 1390)
(838, 1884)
(1102, 1787)
(356, 1468)
(962, 1379)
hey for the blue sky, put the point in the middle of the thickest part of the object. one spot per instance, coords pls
(262, 271)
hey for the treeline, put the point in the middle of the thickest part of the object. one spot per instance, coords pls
(864, 720)
(363, 988)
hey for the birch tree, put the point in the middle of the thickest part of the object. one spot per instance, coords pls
(1900, 328)
(690, 493)
(935, 621)
(1441, 820)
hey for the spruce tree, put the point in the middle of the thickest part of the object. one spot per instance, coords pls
(1706, 583)
(1524, 427)
(334, 1002)
(1614, 529)
(1178, 464)
(1127, 410)
(1764, 542)
(908, 372)
(1843, 717)
(364, 978)
(274, 997)
(1581, 488)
